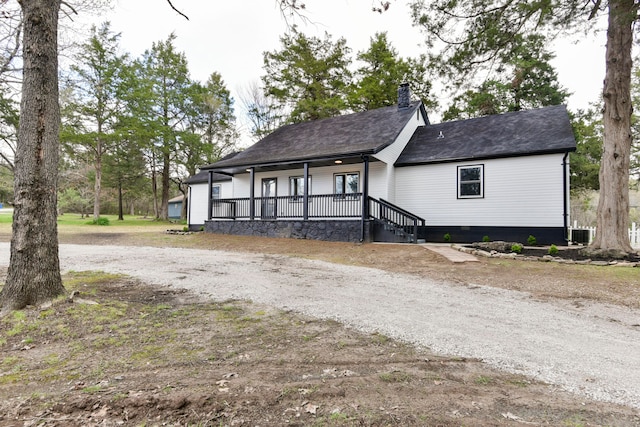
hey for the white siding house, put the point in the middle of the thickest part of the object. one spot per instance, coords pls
(518, 192)
(390, 175)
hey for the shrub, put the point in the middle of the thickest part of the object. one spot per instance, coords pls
(486, 239)
(100, 221)
(516, 247)
(185, 228)
(447, 237)
(531, 240)
(553, 250)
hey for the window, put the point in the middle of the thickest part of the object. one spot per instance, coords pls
(215, 192)
(296, 187)
(346, 183)
(470, 182)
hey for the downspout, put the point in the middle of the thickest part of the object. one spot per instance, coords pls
(365, 198)
(565, 171)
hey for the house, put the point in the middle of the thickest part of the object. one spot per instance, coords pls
(390, 175)
(175, 207)
(198, 203)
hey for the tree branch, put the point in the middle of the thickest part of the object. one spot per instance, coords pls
(595, 10)
(177, 11)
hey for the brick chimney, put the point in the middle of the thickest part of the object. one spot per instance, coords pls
(404, 96)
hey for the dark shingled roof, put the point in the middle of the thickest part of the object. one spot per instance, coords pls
(360, 133)
(203, 177)
(541, 131)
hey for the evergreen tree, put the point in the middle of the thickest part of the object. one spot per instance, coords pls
(95, 105)
(308, 77)
(524, 79)
(167, 79)
(382, 71)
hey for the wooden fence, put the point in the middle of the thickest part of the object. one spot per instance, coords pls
(634, 233)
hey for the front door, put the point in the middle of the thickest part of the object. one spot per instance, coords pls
(269, 194)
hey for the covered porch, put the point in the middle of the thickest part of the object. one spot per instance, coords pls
(348, 213)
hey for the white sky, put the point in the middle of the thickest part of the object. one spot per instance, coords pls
(229, 37)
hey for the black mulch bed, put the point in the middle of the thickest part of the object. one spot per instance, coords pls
(575, 253)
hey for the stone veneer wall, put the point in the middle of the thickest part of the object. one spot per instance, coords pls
(330, 230)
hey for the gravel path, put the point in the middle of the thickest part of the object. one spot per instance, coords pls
(592, 350)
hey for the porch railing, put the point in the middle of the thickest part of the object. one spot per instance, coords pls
(320, 206)
(287, 207)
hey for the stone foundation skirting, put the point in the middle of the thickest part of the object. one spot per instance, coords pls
(329, 230)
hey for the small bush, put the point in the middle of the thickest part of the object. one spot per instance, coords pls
(517, 248)
(100, 221)
(486, 239)
(447, 237)
(202, 228)
(531, 240)
(553, 250)
(185, 228)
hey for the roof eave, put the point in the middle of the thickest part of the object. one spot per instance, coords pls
(287, 164)
(485, 157)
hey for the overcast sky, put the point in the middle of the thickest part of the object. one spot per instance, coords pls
(229, 37)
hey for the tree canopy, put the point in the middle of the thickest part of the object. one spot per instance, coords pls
(309, 76)
(523, 81)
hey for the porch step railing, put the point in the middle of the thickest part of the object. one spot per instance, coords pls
(401, 222)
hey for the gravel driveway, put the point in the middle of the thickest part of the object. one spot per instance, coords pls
(590, 349)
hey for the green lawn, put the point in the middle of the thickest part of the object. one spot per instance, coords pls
(75, 220)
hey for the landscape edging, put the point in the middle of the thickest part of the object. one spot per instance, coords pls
(545, 258)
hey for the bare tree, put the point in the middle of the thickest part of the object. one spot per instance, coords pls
(263, 113)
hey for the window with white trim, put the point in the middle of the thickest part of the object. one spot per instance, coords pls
(471, 182)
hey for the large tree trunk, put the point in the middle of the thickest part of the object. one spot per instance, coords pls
(613, 206)
(34, 269)
(120, 208)
(154, 186)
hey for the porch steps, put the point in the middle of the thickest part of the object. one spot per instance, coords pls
(390, 233)
(448, 252)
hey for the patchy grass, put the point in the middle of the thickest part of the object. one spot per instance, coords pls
(128, 354)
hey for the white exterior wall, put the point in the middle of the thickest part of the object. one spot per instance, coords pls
(378, 180)
(391, 153)
(519, 191)
(198, 204)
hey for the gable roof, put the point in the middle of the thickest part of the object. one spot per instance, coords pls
(366, 132)
(541, 131)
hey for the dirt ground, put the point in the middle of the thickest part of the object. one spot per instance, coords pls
(123, 353)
